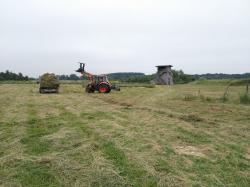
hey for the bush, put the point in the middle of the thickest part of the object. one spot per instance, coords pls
(181, 78)
(224, 98)
(205, 99)
(189, 98)
(240, 82)
(245, 99)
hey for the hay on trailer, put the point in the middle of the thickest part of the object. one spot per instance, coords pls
(49, 80)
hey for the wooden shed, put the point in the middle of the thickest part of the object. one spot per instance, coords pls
(164, 75)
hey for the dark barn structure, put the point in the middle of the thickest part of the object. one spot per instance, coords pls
(164, 75)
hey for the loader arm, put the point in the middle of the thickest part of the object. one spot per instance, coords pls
(84, 73)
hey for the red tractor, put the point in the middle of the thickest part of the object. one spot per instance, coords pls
(98, 83)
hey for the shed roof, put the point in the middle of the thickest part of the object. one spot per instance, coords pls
(161, 66)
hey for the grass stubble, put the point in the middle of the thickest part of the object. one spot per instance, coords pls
(162, 136)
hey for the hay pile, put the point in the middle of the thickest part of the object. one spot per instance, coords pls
(49, 80)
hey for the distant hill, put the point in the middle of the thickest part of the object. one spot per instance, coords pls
(221, 76)
(124, 75)
(179, 77)
(112, 76)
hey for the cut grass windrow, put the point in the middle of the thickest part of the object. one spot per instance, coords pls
(135, 175)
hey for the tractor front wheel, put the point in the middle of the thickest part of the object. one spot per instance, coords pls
(104, 88)
(89, 89)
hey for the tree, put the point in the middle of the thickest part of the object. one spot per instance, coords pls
(7, 75)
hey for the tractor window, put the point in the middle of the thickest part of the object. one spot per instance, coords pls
(101, 79)
(96, 79)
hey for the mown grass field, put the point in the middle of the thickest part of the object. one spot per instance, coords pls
(163, 136)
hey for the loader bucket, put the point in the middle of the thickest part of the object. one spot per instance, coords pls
(81, 68)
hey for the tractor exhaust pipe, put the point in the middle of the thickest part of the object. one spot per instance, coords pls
(81, 68)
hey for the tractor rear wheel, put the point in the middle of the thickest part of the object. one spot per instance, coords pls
(104, 88)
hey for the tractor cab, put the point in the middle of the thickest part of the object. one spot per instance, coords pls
(101, 78)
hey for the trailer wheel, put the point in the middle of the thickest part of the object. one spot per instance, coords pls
(41, 91)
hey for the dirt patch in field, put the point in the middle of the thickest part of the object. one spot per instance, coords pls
(46, 112)
(158, 148)
(191, 118)
(217, 109)
(248, 154)
(189, 150)
(59, 134)
(45, 160)
(114, 102)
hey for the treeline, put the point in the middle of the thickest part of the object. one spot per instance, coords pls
(133, 77)
(124, 75)
(179, 78)
(70, 77)
(129, 77)
(8, 76)
(112, 76)
(222, 76)
(140, 79)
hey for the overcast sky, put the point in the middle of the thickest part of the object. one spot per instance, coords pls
(198, 36)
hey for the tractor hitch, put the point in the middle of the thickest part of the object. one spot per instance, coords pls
(116, 88)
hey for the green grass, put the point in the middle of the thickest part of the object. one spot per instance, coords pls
(193, 137)
(134, 174)
(245, 99)
(164, 136)
(223, 82)
(145, 85)
(18, 82)
(35, 174)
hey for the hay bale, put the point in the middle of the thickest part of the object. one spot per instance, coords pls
(49, 80)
